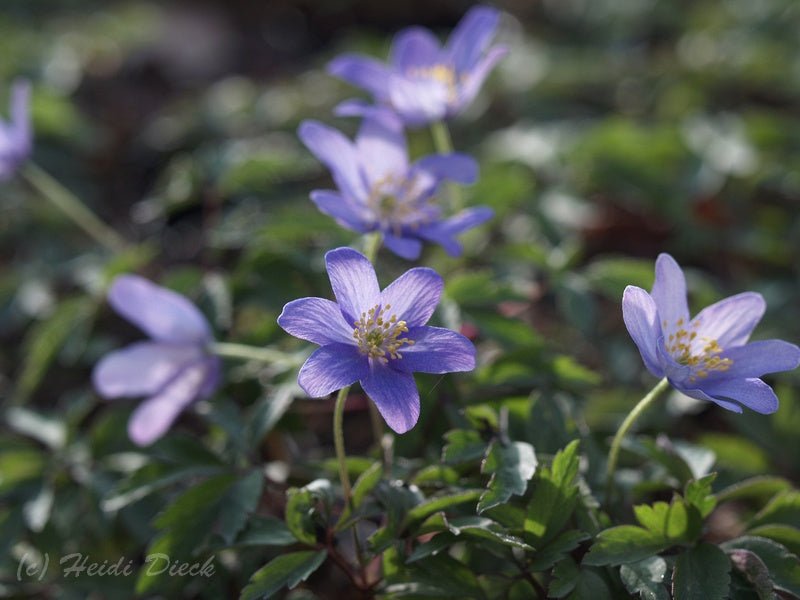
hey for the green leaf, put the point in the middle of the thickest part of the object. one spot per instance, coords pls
(784, 508)
(554, 551)
(555, 494)
(45, 339)
(239, 503)
(755, 487)
(286, 570)
(487, 529)
(182, 513)
(462, 446)
(646, 578)
(669, 521)
(433, 546)
(756, 572)
(452, 577)
(266, 531)
(511, 466)
(365, 483)
(702, 573)
(51, 431)
(783, 534)
(577, 584)
(434, 505)
(268, 411)
(698, 494)
(783, 566)
(306, 508)
(624, 544)
(565, 578)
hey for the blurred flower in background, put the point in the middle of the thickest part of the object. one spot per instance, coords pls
(173, 369)
(380, 191)
(423, 81)
(16, 137)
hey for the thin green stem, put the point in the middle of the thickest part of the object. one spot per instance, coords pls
(68, 203)
(443, 143)
(637, 411)
(338, 441)
(245, 352)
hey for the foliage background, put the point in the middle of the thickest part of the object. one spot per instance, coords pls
(613, 131)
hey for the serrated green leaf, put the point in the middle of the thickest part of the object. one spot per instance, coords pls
(646, 578)
(669, 521)
(756, 572)
(755, 487)
(239, 503)
(452, 577)
(266, 531)
(783, 534)
(555, 550)
(306, 509)
(698, 494)
(624, 544)
(462, 446)
(784, 567)
(480, 527)
(511, 466)
(433, 546)
(701, 573)
(555, 494)
(286, 570)
(434, 505)
(365, 483)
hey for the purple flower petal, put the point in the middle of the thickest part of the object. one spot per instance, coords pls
(698, 394)
(759, 358)
(395, 394)
(413, 48)
(414, 295)
(346, 212)
(162, 314)
(752, 393)
(418, 101)
(478, 74)
(331, 368)
(669, 293)
(444, 232)
(316, 320)
(436, 350)
(337, 153)
(141, 369)
(730, 321)
(382, 148)
(457, 167)
(677, 373)
(408, 248)
(361, 71)
(641, 319)
(353, 281)
(471, 36)
(153, 417)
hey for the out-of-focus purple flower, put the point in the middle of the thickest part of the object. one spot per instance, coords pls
(380, 191)
(423, 81)
(173, 369)
(706, 357)
(376, 337)
(16, 137)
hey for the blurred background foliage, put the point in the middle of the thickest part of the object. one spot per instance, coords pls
(614, 130)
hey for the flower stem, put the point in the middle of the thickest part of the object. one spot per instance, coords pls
(338, 440)
(637, 411)
(68, 203)
(443, 143)
(372, 243)
(230, 350)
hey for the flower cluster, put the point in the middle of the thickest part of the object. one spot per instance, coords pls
(706, 357)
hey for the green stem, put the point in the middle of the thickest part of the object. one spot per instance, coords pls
(248, 352)
(637, 411)
(444, 145)
(372, 243)
(68, 203)
(338, 440)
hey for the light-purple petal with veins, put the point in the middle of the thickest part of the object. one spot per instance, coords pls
(364, 72)
(414, 295)
(732, 320)
(414, 47)
(331, 368)
(337, 153)
(316, 320)
(457, 167)
(475, 78)
(382, 149)
(395, 394)
(641, 319)
(342, 209)
(669, 293)
(752, 393)
(404, 247)
(353, 281)
(436, 350)
(471, 36)
(755, 359)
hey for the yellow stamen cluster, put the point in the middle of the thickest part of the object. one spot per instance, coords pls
(378, 336)
(393, 206)
(701, 355)
(444, 74)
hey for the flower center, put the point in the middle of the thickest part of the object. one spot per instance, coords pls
(378, 335)
(442, 73)
(699, 353)
(394, 205)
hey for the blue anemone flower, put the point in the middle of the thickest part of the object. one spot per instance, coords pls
(706, 357)
(376, 337)
(423, 81)
(379, 190)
